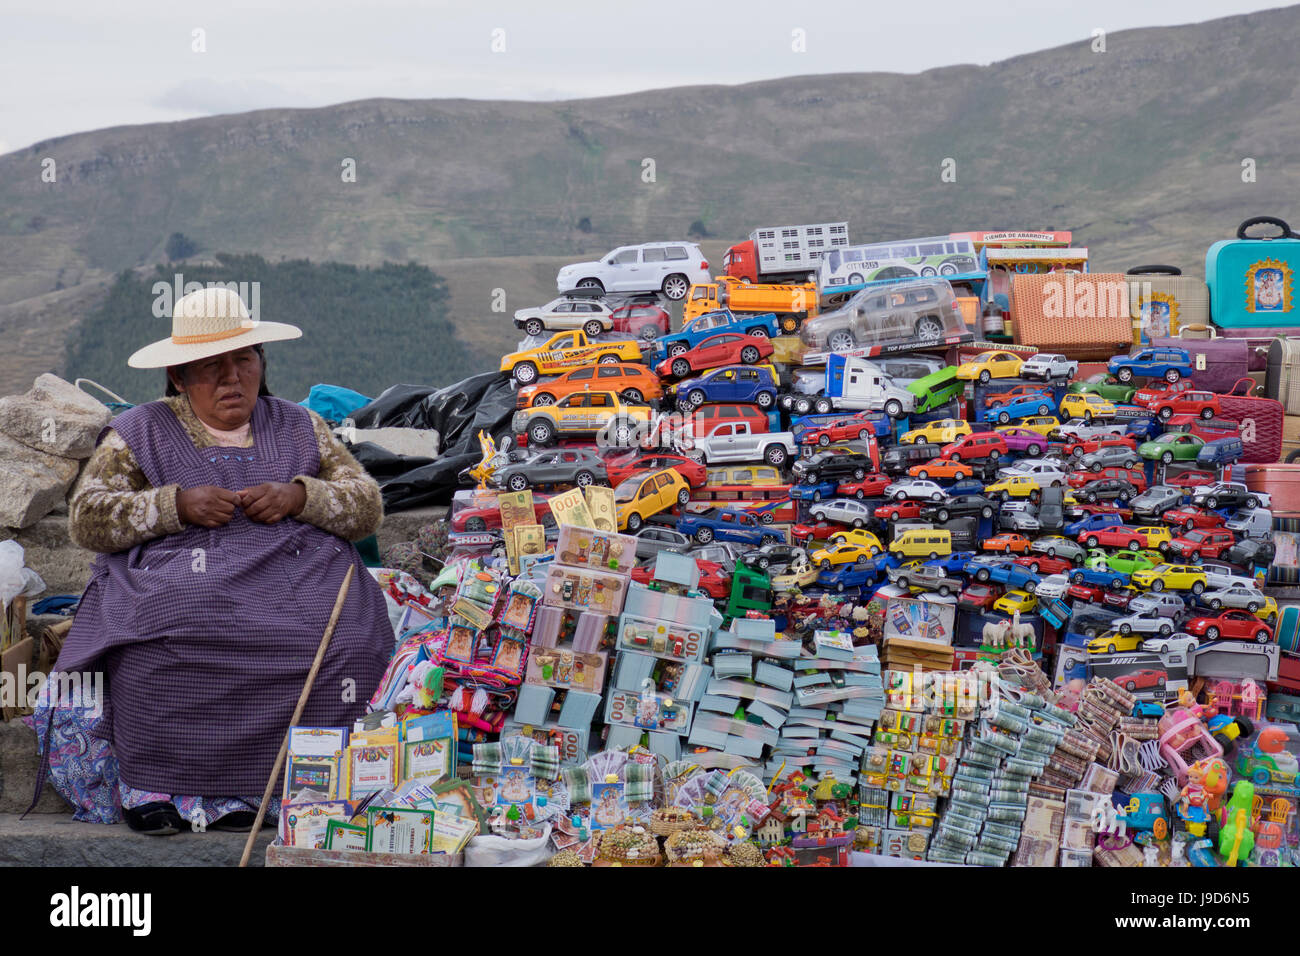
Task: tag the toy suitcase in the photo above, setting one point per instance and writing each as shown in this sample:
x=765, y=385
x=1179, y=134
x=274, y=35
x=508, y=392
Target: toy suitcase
x=1282, y=484
x=1261, y=421
x=1164, y=302
x=1283, y=382
x=1217, y=364
x=1252, y=279
x=1084, y=315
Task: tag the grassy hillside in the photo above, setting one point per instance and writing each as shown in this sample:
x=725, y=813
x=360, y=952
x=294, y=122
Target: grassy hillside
x=1138, y=150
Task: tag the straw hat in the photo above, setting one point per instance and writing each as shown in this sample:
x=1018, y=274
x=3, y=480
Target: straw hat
x=208, y=322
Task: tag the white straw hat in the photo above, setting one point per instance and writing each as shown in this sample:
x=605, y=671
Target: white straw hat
x=208, y=322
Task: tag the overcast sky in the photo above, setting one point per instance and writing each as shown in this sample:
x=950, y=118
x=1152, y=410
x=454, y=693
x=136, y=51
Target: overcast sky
x=67, y=66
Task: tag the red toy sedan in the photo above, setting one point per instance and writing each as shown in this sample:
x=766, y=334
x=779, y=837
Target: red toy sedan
x=1190, y=516
x=841, y=429
x=979, y=597
x=1086, y=592
x=619, y=466
x=872, y=486
x=820, y=531
x=1134, y=476
x=897, y=510
x=489, y=518
x=1233, y=625
x=645, y=321
x=1117, y=537
x=1044, y=564
x=1191, y=479
x=726, y=348
x=1147, y=677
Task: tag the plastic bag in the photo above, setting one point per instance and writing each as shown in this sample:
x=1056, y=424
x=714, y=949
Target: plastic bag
x=333, y=402
x=498, y=851
x=380, y=463
x=15, y=578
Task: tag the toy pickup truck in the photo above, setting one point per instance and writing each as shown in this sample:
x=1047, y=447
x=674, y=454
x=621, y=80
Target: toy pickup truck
x=790, y=303
x=734, y=441
x=712, y=323
x=566, y=350
x=727, y=524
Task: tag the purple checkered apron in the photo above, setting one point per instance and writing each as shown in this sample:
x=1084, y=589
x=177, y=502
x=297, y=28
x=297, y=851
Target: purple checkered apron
x=206, y=636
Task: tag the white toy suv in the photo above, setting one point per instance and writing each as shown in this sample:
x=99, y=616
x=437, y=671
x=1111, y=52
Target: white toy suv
x=566, y=313
x=1046, y=365
x=670, y=267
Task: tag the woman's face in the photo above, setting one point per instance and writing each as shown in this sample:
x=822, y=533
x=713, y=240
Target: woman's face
x=223, y=389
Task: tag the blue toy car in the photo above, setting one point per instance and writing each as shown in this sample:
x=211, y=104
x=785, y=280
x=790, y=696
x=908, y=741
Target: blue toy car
x=954, y=563
x=1144, y=429
x=1148, y=710
x=712, y=323
x=1099, y=577
x=727, y=524
x=1171, y=364
x=1220, y=451
x=1020, y=408
x=855, y=575
x=731, y=383
x=1091, y=523
x=823, y=489
x=1003, y=572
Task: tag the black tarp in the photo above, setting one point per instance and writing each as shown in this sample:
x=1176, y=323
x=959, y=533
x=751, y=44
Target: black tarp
x=457, y=412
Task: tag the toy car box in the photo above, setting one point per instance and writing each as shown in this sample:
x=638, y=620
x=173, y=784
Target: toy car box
x=1252, y=278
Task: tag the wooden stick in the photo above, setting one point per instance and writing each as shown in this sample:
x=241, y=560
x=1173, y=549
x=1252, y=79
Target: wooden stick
x=297, y=713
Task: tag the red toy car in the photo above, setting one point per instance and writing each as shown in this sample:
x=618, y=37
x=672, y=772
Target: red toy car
x=1007, y=543
x=641, y=319
x=1147, y=677
x=1234, y=625
x=622, y=464
x=1134, y=476
x=1118, y=537
x=857, y=427
x=1201, y=543
x=872, y=486
x=1119, y=599
x=726, y=348
x=1190, y=479
x=1043, y=564
x=1202, y=404
x=1148, y=396
x=1086, y=592
x=820, y=531
x=1205, y=428
x=976, y=445
x=489, y=518
x=1078, y=447
x=1190, y=516
x=979, y=597
x=897, y=510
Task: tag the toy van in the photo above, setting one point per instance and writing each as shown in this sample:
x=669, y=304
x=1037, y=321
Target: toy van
x=922, y=543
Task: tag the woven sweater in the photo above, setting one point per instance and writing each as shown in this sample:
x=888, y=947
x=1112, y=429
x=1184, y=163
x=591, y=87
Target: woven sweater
x=114, y=507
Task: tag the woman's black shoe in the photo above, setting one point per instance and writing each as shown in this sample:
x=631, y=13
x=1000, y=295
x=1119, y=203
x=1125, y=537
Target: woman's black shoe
x=238, y=821
x=155, y=819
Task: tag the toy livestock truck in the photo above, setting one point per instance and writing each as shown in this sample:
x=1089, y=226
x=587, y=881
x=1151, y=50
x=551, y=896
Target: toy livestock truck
x=790, y=303
x=777, y=254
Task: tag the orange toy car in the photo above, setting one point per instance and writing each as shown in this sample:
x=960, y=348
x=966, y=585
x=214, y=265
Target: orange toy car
x=1016, y=543
x=941, y=468
x=633, y=383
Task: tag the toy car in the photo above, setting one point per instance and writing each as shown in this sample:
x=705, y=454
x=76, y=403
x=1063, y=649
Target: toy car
x=726, y=524
x=775, y=555
x=1229, y=494
x=940, y=468
x=714, y=582
x=1092, y=522
x=652, y=539
x=634, y=383
x=857, y=426
x=1017, y=392
x=822, y=531
x=1103, y=578
x=649, y=267
x=642, y=318
x=732, y=383
x=620, y=466
x=1233, y=625
x=1017, y=486
x=1116, y=536
x=898, y=510
x=921, y=309
x=843, y=510
x=1171, y=364
x=1086, y=407
x=1113, y=644
x=583, y=413
x=914, y=488
x=958, y=506
x=852, y=575
x=1157, y=500
x=1236, y=596
x=577, y=466
x=979, y=597
x=1190, y=517
x=871, y=486
x=858, y=536
x=563, y=351
x=1171, y=447
x=1251, y=552
x=1184, y=644
x=702, y=327
x=1201, y=543
x=987, y=445
x=1005, y=572
x=813, y=492
x=1018, y=408
x=1227, y=729
x=1181, y=577
x=737, y=441
x=942, y=431
x=1144, y=623
x=1190, y=402
x=1107, y=489
x=1023, y=440
x=1152, y=394
x=991, y=365
x=1048, y=472
x=1042, y=564
x=1268, y=763
x=1007, y=543
x=1043, y=424
x=924, y=577
x=1016, y=601
x=1049, y=365
x=1105, y=386
x=566, y=312
x=715, y=351
x=1125, y=562
x=643, y=494
x=1078, y=447
x=1055, y=546
x=1117, y=454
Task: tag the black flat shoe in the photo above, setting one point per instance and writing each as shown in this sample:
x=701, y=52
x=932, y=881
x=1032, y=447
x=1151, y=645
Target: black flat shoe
x=155, y=819
x=239, y=821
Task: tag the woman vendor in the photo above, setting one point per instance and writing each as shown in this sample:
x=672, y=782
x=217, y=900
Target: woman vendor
x=223, y=518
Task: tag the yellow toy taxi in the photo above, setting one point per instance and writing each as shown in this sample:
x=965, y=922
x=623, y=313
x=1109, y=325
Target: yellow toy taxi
x=1085, y=406
x=565, y=350
x=991, y=365
x=941, y=432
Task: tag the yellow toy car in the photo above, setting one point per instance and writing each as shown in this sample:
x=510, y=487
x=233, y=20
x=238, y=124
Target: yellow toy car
x=860, y=537
x=1114, y=643
x=1017, y=486
x=941, y=432
x=991, y=365
x=646, y=493
x=1043, y=424
x=581, y=414
x=800, y=578
x=837, y=554
x=1156, y=536
x=1268, y=613
x=565, y=350
x=1014, y=601
x=1175, y=577
x=1086, y=406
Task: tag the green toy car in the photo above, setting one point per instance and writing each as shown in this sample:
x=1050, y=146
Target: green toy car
x=1105, y=386
x=1172, y=446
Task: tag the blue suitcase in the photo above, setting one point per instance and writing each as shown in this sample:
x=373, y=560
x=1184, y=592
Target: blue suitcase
x=1252, y=279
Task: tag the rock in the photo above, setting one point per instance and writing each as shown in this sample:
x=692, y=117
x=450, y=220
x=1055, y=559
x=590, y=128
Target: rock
x=32, y=483
x=50, y=552
x=412, y=442
x=55, y=417
x=19, y=765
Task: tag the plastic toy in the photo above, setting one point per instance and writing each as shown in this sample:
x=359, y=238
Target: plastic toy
x=585, y=414
x=1184, y=741
x=727, y=524
x=1236, y=840
x=564, y=351
x=732, y=383
x=990, y=365
x=1018, y=408
x=1268, y=762
x=940, y=432
x=1233, y=625
x=1171, y=447
x=1086, y=407
x=1182, y=577
x=643, y=494
x=709, y=324
x=1171, y=364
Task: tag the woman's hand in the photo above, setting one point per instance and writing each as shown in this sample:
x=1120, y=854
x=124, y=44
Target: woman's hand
x=206, y=505
x=268, y=503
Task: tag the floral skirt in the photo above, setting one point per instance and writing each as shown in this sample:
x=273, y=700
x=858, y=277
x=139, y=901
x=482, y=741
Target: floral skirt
x=84, y=771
